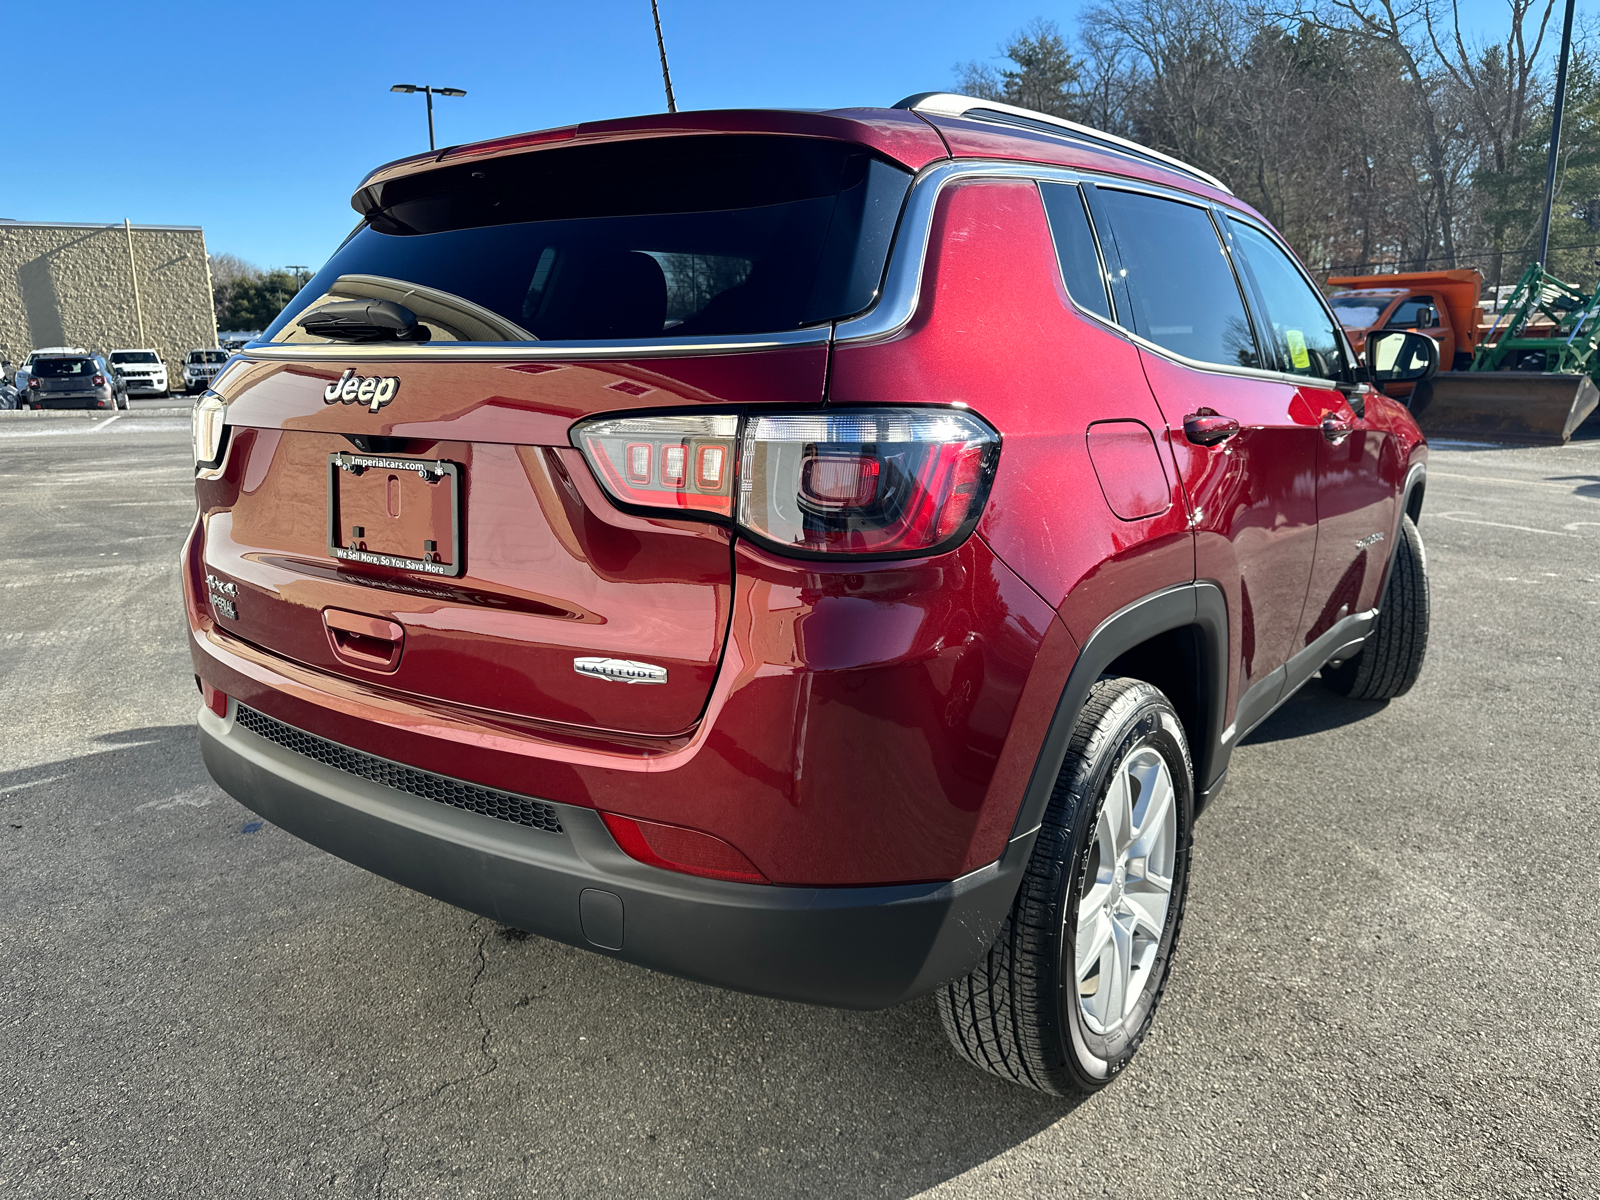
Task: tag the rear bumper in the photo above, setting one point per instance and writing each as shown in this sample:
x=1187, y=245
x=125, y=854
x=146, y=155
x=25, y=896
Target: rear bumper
x=74, y=400
x=851, y=947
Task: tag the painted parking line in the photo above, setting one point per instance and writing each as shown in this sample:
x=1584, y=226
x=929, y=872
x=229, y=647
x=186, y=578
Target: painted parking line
x=1474, y=519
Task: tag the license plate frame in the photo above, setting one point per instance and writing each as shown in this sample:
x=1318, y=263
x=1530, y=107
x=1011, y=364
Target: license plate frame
x=442, y=473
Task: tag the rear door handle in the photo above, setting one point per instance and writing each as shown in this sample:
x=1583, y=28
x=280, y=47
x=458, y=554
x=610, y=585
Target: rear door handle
x=1336, y=428
x=364, y=641
x=1208, y=427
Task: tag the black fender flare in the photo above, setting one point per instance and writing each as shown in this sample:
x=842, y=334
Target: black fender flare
x=1416, y=482
x=1200, y=605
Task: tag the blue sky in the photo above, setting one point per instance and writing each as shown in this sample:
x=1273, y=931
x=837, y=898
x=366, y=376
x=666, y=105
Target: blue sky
x=257, y=121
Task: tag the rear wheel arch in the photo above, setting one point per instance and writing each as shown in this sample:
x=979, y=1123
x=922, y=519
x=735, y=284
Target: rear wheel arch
x=1174, y=639
x=1416, y=487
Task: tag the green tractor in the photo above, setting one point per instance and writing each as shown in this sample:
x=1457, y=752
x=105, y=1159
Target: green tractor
x=1534, y=372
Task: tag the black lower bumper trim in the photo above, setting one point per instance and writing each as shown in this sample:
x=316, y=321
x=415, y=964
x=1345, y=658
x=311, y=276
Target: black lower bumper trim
x=851, y=947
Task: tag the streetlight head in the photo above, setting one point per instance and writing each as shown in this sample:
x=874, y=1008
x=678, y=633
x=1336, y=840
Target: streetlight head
x=404, y=87
x=450, y=91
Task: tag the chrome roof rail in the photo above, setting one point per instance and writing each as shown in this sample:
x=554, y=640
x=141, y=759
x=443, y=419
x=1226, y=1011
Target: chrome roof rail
x=951, y=104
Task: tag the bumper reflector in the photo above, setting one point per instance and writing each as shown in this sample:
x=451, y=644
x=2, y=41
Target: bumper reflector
x=216, y=701
x=674, y=848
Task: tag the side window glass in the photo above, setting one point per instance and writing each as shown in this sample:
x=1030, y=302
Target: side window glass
x=1306, y=339
x=1409, y=313
x=1183, y=290
x=1075, y=248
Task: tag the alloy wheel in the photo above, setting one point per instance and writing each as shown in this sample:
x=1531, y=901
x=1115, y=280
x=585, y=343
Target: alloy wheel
x=1127, y=889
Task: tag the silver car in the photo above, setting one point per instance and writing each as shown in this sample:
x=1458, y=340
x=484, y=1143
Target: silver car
x=73, y=381
x=200, y=368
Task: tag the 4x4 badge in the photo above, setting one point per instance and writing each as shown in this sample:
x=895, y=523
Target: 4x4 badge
x=372, y=390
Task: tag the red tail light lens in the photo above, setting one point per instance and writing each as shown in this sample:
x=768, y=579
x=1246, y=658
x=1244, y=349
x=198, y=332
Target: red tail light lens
x=33, y=383
x=875, y=482
x=880, y=482
x=645, y=461
x=99, y=381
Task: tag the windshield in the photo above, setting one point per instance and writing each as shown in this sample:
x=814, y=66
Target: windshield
x=1356, y=314
x=64, y=368
x=208, y=356
x=134, y=356
x=675, y=237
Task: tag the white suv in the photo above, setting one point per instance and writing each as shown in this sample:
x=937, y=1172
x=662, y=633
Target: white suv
x=142, y=370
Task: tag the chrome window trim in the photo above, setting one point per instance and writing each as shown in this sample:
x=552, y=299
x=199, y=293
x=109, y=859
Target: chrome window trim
x=622, y=348
x=902, y=287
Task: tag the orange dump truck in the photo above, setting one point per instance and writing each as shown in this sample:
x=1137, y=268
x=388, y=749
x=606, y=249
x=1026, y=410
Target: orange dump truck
x=1520, y=396
x=1441, y=304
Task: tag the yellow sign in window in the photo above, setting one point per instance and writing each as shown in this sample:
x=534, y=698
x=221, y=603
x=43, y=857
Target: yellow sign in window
x=1297, y=348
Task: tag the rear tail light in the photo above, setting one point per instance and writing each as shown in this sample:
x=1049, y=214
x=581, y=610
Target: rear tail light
x=209, y=429
x=876, y=482
x=661, y=462
x=33, y=383
x=99, y=381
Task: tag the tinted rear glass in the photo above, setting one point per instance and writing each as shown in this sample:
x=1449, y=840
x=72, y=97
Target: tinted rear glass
x=64, y=368
x=1075, y=248
x=1184, y=293
x=676, y=237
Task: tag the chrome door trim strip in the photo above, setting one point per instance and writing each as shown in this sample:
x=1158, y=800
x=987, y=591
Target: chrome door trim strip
x=622, y=348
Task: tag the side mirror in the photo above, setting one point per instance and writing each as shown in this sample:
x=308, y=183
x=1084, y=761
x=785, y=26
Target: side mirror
x=1399, y=356
x=1427, y=317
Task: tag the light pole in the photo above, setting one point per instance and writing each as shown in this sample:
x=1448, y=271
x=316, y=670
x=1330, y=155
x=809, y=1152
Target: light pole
x=297, y=268
x=661, y=45
x=1555, y=140
x=430, y=92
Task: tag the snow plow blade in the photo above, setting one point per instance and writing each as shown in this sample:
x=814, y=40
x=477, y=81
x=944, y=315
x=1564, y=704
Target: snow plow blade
x=1514, y=407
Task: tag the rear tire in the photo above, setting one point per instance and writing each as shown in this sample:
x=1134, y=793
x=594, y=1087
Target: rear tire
x=1391, y=660
x=1029, y=1012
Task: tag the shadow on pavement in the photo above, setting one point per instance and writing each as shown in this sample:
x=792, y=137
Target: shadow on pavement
x=1588, y=485
x=1313, y=709
x=325, y=1006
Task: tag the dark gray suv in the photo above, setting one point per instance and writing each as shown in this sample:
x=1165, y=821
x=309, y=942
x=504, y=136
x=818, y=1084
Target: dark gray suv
x=74, y=381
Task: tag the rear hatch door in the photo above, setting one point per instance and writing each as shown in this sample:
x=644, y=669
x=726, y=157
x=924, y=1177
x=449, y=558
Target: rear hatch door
x=414, y=515
x=535, y=570
x=65, y=376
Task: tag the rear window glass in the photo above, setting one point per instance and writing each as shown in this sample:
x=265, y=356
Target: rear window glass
x=1075, y=248
x=1182, y=287
x=64, y=368
x=675, y=237
x=135, y=356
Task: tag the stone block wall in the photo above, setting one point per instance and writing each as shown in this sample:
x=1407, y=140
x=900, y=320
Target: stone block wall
x=73, y=285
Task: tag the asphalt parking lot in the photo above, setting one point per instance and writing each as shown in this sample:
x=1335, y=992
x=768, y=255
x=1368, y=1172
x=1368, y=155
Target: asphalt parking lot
x=1387, y=983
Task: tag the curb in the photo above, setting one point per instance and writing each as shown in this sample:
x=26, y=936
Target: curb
x=89, y=414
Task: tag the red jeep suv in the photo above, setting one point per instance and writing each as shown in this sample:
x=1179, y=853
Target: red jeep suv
x=830, y=554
